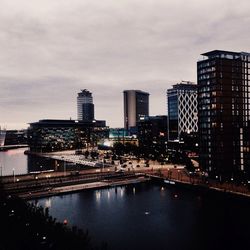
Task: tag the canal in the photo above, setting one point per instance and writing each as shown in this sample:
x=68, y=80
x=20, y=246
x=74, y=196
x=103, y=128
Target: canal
x=150, y=216
x=145, y=216
x=15, y=161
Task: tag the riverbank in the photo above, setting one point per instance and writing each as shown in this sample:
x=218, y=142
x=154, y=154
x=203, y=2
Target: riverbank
x=54, y=183
x=42, y=182
x=185, y=181
x=79, y=187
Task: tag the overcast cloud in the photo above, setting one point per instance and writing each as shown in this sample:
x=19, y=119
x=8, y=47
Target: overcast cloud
x=49, y=50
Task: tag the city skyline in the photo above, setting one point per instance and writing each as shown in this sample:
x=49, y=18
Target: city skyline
x=49, y=51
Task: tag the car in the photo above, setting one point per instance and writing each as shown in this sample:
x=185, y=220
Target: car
x=124, y=165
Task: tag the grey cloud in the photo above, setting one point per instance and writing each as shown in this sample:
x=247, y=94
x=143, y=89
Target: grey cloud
x=52, y=49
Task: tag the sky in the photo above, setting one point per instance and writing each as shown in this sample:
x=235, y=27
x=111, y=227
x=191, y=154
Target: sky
x=50, y=50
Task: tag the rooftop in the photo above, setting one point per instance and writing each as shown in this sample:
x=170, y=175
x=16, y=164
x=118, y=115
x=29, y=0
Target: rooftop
x=224, y=54
x=85, y=92
x=137, y=91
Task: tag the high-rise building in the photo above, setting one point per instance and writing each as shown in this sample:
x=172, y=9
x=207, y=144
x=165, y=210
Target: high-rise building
x=85, y=106
x=182, y=110
x=136, y=105
x=224, y=114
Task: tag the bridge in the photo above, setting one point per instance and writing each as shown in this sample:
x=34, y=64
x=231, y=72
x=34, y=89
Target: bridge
x=8, y=147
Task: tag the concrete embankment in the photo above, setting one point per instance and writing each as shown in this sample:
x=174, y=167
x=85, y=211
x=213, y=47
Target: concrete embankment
x=199, y=187
x=79, y=187
x=32, y=188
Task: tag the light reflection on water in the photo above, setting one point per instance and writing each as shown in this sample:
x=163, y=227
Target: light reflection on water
x=147, y=216
x=47, y=203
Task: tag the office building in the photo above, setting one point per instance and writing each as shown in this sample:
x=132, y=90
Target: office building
x=152, y=133
x=85, y=106
x=16, y=137
x=136, y=105
x=224, y=114
x=182, y=110
x=56, y=135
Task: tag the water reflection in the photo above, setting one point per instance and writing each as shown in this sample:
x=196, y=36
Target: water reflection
x=13, y=159
x=143, y=221
x=47, y=203
x=23, y=164
x=122, y=192
x=98, y=195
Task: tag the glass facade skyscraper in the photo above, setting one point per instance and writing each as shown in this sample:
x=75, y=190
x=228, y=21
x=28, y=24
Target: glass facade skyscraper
x=224, y=114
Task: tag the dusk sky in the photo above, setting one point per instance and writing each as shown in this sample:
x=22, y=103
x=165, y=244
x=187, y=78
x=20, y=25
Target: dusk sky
x=51, y=49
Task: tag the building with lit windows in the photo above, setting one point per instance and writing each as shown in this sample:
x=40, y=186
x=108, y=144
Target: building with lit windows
x=136, y=105
x=224, y=114
x=152, y=132
x=56, y=135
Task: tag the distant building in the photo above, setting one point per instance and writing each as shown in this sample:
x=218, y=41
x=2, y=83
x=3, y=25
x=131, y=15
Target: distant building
x=182, y=110
x=152, y=132
x=56, y=135
x=16, y=137
x=117, y=133
x=224, y=114
x=85, y=106
x=136, y=105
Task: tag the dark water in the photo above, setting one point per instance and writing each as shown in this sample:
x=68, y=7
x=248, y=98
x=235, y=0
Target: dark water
x=147, y=216
x=15, y=160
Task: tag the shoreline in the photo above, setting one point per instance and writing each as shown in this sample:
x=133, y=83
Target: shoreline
x=57, y=191
x=70, y=182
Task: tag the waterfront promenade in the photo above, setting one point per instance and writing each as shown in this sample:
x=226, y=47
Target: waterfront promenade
x=54, y=183
x=100, y=174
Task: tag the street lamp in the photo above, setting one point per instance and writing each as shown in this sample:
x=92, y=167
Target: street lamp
x=13, y=175
x=64, y=168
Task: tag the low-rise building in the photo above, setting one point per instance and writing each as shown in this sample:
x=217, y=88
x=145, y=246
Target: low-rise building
x=56, y=135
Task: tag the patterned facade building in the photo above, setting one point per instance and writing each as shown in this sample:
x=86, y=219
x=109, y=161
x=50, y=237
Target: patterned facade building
x=182, y=110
